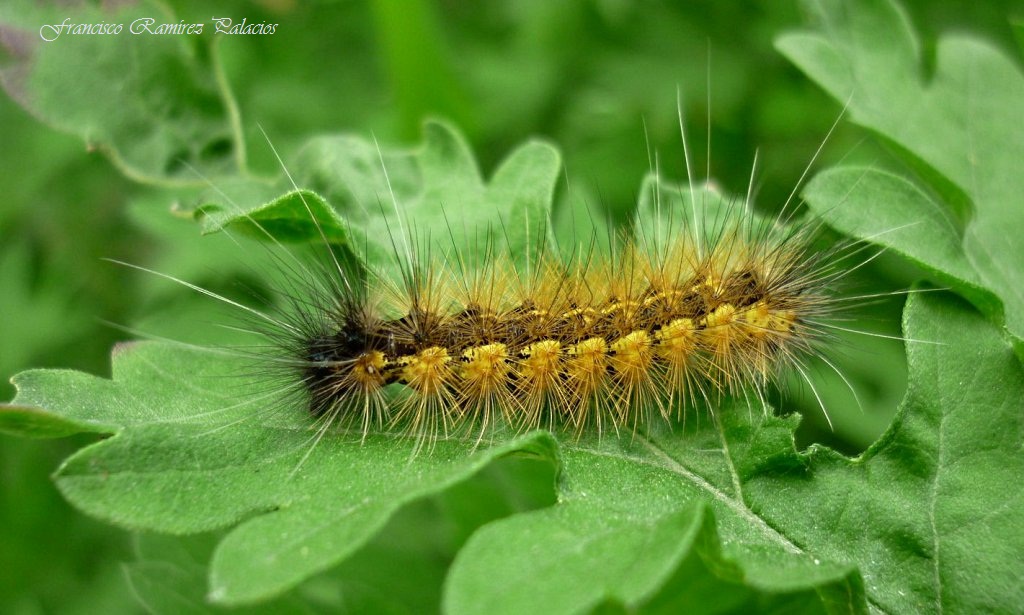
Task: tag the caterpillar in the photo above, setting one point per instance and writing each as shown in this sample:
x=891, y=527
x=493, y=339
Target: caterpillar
x=610, y=336
x=699, y=300
x=602, y=342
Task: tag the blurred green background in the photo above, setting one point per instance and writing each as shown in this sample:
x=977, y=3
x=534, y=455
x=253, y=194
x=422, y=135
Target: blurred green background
x=598, y=78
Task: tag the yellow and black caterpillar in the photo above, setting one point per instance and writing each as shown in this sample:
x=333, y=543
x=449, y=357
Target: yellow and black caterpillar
x=598, y=342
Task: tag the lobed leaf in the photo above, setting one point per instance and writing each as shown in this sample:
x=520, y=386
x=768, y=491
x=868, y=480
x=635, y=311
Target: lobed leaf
x=959, y=128
x=189, y=457
x=355, y=190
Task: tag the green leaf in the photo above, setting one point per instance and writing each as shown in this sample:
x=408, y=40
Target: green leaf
x=152, y=103
x=959, y=128
x=627, y=526
x=189, y=458
x=444, y=201
x=447, y=200
x=399, y=571
x=913, y=224
x=30, y=422
x=169, y=576
x=934, y=506
x=629, y=519
x=299, y=216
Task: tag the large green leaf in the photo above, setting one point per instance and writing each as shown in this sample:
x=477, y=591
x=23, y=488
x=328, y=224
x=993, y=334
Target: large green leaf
x=959, y=127
x=355, y=190
x=399, y=571
x=932, y=512
x=189, y=458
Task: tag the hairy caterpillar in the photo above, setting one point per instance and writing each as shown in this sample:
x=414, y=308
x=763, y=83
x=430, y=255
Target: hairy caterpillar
x=602, y=335
x=701, y=299
x=598, y=341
